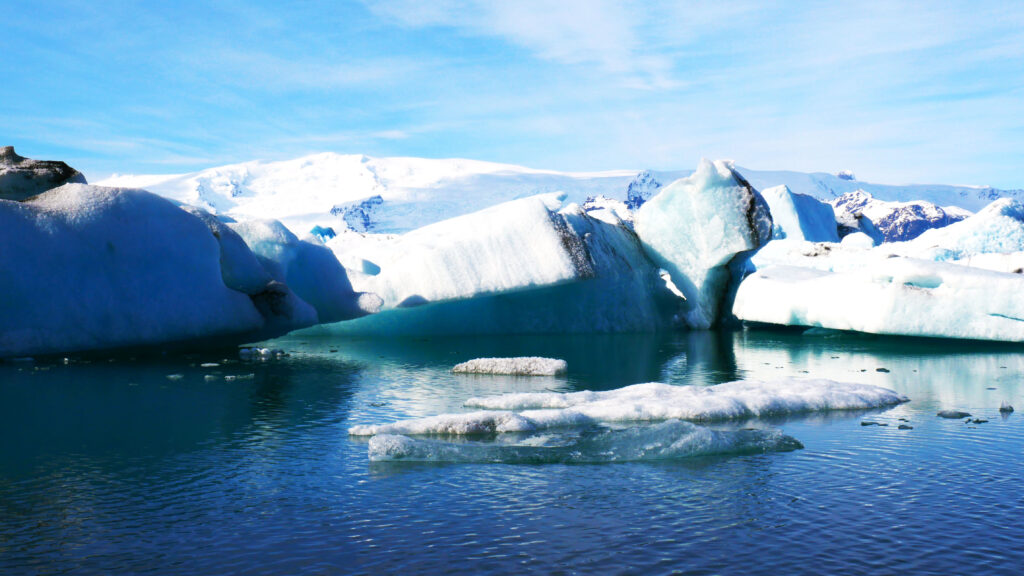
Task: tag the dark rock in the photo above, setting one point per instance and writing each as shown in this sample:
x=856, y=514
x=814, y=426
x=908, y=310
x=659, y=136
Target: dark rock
x=885, y=370
x=905, y=427
x=22, y=178
x=1005, y=407
x=980, y=420
x=358, y=215
x=953, y=414
x=866, y=423
x=898, y=221
x=641, y=189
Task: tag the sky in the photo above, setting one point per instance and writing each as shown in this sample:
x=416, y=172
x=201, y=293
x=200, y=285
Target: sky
x=897, y=92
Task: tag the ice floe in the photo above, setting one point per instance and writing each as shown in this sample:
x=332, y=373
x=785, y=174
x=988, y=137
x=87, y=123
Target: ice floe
x=518, y=366
x=530, y=412
x=668, y=440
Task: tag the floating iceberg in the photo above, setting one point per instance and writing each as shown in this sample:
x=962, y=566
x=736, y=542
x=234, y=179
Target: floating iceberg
x=530, y=412
x=308, y=268
x=520, y=366
x=695, y=227
x=86, y=267
x=669, y=440
x=800, y=217
x=522, y=266
x=935, y=285
x=899, y=296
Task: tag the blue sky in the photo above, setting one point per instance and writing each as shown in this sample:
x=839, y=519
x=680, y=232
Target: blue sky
x=897, y=92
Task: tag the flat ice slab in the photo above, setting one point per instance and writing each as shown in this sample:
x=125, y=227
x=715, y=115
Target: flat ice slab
x=530, y=412
x=521, y=366
x=673, y=439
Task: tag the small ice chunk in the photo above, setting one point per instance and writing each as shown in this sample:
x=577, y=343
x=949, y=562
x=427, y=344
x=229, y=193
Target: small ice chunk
x=209, y=365
x=174, y=377
x=520, y=366
x=953, y=414
x=1005, y=407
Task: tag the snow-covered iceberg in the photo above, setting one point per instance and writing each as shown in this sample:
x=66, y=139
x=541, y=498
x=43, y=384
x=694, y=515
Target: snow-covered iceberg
x=669, y=440
x=518, y=366
x=744, y=399
x=696, y=226
x=87, y=267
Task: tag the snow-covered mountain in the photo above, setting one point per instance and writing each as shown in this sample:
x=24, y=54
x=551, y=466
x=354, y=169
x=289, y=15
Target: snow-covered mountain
x=400, y=194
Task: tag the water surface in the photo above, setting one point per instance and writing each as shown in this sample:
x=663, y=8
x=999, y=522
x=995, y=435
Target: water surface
x=109, y=466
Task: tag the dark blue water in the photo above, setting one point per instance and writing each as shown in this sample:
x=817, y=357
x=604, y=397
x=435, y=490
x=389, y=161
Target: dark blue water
x=111, y=467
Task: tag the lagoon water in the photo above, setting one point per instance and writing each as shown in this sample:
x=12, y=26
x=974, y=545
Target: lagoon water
x=107, y=466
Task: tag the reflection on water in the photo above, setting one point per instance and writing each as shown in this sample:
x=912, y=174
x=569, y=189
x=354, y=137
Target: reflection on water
x=112, y=467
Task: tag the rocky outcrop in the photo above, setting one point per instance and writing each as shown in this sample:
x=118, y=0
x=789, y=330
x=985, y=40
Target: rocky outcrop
x=22, y=178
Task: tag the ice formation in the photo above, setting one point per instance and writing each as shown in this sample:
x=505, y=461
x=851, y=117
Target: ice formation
x=530, y=412
x=935, y=285
x=900, y=296
x=309, y=269
x=522, y=266
x=519, y=366
x=799, y=216
x=86, y=267
x=669, y=440
x=695, y=227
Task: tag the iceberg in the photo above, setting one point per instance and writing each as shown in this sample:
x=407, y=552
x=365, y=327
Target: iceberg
x=522, y=266
x=959, y=281
x=88, y=268
x=799, y=216
x=669, y=440
x=898, y=296
x=308, y=268
x=520, y=366
x=743, y=399
x=696, y=226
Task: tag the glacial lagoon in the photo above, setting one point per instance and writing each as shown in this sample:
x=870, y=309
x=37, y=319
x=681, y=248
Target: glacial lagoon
x=157, y=464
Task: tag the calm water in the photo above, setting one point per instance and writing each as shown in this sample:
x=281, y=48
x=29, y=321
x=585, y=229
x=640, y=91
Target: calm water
x=111, y=467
